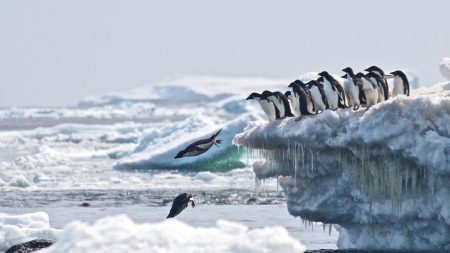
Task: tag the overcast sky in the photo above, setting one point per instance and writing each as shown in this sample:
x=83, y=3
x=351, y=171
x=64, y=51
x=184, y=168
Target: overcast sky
x=55, y=52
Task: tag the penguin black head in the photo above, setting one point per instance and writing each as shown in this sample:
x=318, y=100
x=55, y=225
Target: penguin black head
x=323, y=73
x=253, y=96
x=291, y=85
x=400, y=74
x=320, y=79
x=348, y=70
x=375, y=69
x=287, y=93
x=266, y=94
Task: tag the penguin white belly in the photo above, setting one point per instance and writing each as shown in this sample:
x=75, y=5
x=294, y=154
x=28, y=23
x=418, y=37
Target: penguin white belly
x=317, y=99
x=370, y=92
x=348, y=95
x=380, y=94
x=295, y=104
x=279, y=105
x=331, y=95
x=309, y=105
x=398, y=87
x=206, y=145
x=353, y=93
x=268, y=109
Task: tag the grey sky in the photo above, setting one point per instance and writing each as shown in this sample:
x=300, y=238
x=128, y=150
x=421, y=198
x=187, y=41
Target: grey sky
x=55, y=52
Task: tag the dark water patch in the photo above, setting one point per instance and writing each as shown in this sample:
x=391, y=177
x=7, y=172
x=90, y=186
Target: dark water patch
x=121, y=198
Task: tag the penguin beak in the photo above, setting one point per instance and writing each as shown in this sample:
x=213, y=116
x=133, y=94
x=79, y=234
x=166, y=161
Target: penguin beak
x=388, y=76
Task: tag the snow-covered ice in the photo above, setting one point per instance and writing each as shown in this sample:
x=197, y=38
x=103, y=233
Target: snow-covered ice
x=382, y=175
x=120, y=234
x=16, y=229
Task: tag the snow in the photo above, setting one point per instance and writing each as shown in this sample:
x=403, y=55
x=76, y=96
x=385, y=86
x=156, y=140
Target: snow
x=117, y=234
x=16, y=229
x=381, y=174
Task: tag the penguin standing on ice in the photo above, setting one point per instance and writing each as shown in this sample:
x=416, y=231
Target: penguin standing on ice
x=378, y=71
x=281, y=102
x=369, y=89
x=199, y=147
x=333, y=89
x=379, y=82
x=401, y=84
x=318, y=95
x=292, y=100
x=351, y=88
x=267, y=106
x=301, y=97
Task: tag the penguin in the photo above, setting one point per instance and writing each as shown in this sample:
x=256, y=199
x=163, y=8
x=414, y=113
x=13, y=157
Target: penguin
x=199, y=147
x=401, y=84
x=302, y=98
x=281, y=103
x=351, y=88
x=318, y=95
x=369, y=89
x=180, y=203
x=292, y=100
x=267, y=106
x=333, y=89
x=378, y=81
x=378, y=71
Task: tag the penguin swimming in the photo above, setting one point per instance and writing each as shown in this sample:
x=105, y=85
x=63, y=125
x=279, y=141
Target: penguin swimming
x=302, y=100
x=369, y=89
x=333, y=89
x=401, y=84
x=199, y=147
x=267, y=106
x=378, y=71
x=180, y=203
x=379, y=82
x=281, y=103
x=318, y=95
x=351, y=88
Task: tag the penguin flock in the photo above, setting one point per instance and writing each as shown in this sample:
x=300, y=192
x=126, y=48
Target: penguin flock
x=326, y=92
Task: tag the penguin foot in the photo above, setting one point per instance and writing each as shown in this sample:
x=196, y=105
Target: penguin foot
x=298, y=118
x=356, y=107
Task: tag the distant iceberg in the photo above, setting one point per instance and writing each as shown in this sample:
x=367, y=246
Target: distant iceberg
x=381, y=175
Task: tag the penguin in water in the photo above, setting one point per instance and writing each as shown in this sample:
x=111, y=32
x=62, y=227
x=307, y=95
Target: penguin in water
x=379, y=82
x=180, y=203
x=333, y=89
x=281, y=102
x=302, y=101
x=369, y=89
x=318, y=95
x=267, y=106
x=378, y=71
x=351, y=88
x=401, y=84
x=199, y=147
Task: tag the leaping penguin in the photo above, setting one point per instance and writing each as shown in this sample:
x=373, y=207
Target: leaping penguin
x=401, y=83
x=267, y=106
x=333, y=89
x=379, y=82
x=180, y=203
x=351, y=88
x=302, y=101
x=318, y=95
x=378, y=71
x=281, y=103
x=199, y=147
x=369, y=89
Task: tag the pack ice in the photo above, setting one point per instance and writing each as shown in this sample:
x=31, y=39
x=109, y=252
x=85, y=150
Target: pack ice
x=381, y=175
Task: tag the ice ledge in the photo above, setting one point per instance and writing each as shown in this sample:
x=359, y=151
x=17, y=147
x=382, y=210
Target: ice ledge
x=382, y=175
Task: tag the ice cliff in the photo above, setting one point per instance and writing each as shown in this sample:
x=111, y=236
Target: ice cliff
x=381, y=175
